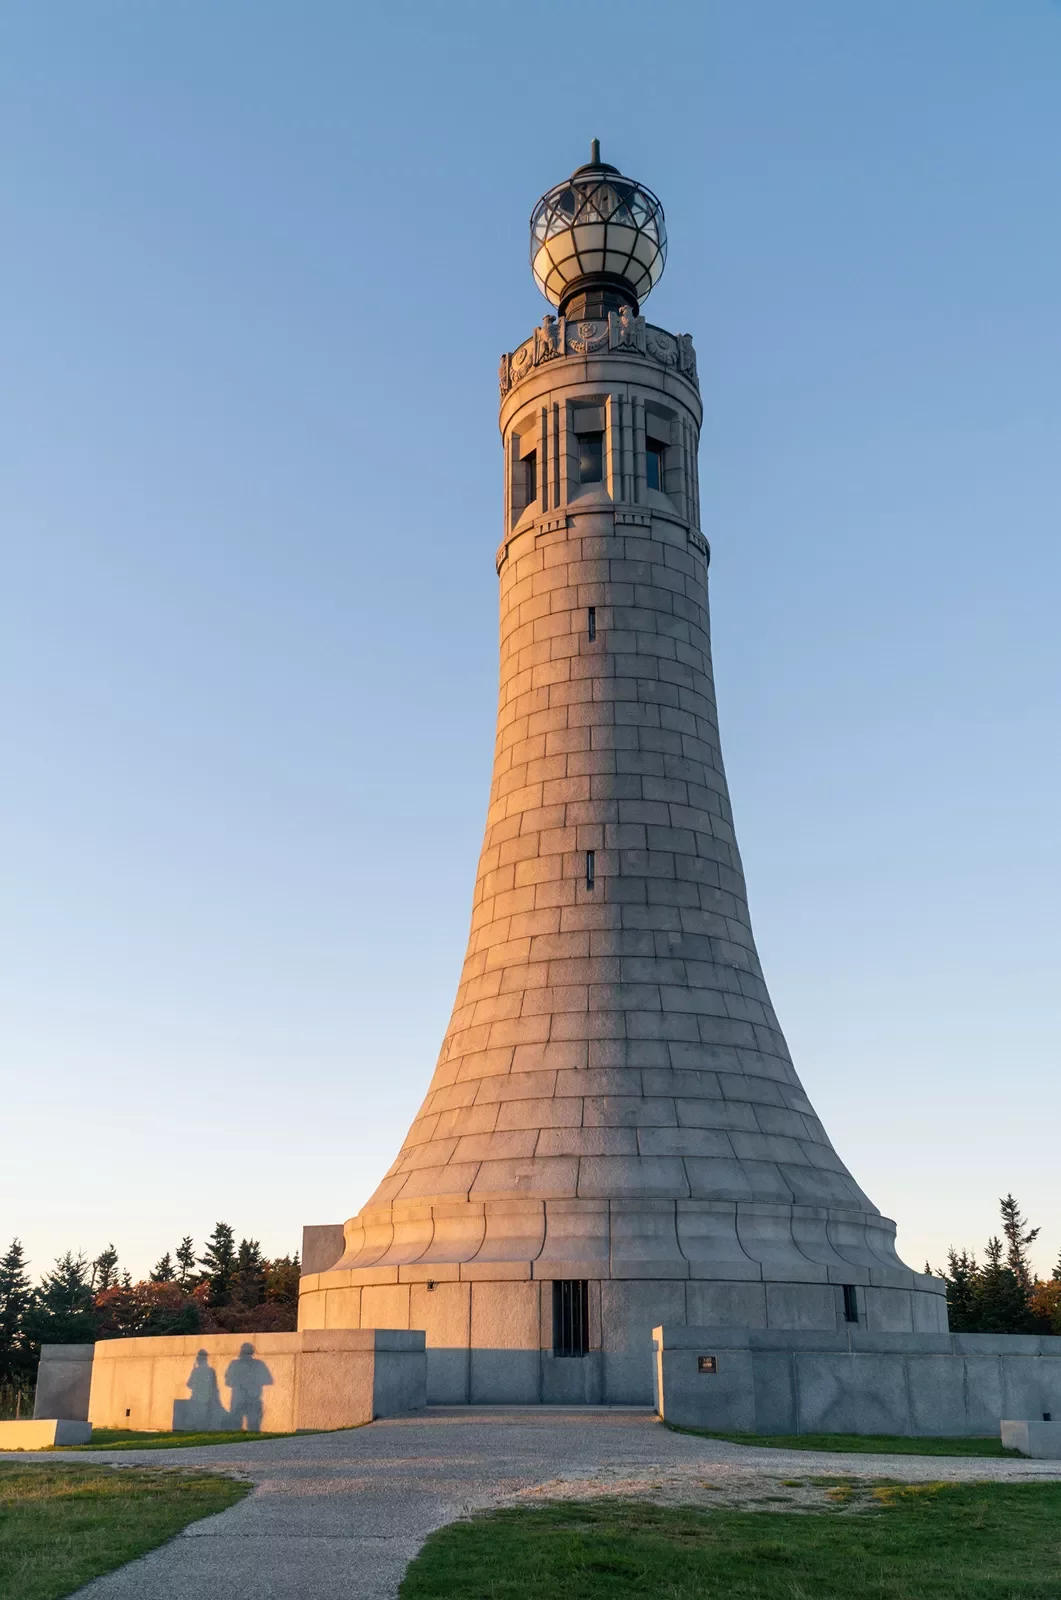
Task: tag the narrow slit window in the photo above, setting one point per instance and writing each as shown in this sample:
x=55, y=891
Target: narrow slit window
x=570, y=1317
x=591, y=864
x=850, y=1303
x=592, y=620
x=591, y=458
x=654, y=465
x=530, y=477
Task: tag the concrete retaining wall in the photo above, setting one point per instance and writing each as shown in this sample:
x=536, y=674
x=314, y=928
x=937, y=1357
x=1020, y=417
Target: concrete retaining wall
x=853, y=1382
x=273, y=1382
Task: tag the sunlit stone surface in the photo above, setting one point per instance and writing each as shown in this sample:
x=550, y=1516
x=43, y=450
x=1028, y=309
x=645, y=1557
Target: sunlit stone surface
x=614, y=1103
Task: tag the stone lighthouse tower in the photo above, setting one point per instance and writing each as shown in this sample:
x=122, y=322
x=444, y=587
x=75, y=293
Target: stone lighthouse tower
x=614, y=1135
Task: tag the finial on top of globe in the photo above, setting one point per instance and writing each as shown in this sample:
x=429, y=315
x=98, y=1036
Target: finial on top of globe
x=598, y=241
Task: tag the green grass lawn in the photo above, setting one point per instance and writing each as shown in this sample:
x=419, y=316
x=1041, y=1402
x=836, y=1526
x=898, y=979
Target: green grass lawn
x=62, y=1524
x=127, y=1439
x=877, y=1542
x=863, y=1444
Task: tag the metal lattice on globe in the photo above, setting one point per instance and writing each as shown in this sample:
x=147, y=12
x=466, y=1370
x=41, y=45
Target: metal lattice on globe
x=597, y=230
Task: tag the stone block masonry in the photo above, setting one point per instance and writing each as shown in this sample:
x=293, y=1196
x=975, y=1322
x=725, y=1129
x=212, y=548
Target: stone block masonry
x=489, y=1328
x=614, y=1105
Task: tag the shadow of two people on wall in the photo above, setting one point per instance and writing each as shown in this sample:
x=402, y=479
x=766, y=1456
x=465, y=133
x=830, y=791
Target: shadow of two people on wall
x=205, y=1412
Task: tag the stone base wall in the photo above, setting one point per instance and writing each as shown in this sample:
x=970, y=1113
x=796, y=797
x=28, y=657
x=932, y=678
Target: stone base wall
x=43, y=1434
x=64, y=1379
x=741, y=1380
x=272, y=1382
x=1041, y=1440
x=490, y=1340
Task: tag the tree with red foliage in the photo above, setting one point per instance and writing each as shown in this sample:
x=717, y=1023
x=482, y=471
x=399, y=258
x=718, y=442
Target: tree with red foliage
x=126, y=1311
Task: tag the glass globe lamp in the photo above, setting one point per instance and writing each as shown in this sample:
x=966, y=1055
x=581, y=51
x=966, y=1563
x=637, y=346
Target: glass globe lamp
x=598, y=241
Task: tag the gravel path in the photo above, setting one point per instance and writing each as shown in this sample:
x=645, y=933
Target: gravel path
x=338, y=1516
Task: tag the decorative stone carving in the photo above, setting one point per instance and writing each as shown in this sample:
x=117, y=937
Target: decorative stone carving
x=501, y=556
x=548, y=340
x=625, y=331
x=621, y=332
x=662, y=347
x=522, y=362
x=588, y=337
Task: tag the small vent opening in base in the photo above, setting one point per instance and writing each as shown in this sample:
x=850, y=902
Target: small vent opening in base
x=570, y=1317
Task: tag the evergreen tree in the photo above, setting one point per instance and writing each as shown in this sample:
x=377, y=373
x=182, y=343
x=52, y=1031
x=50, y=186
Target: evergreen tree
x=162, y=1271
x=1000, y=1300
x=62, y=1311
x=15, y=1299
x=186, y=1262
x=248, y=1280
x=218, y=1261
x=104, y=1270
x=1018, y=1237
x=961, y=1276
x=1057, y=1270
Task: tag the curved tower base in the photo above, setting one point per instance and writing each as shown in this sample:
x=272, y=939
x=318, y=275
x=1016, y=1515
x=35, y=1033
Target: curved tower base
x=486, y=1302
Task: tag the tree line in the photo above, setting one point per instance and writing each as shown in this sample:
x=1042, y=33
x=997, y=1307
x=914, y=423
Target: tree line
x=1001, y=1293
x=229, y=1288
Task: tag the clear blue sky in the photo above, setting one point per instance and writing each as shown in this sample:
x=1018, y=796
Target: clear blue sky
x=260, y=259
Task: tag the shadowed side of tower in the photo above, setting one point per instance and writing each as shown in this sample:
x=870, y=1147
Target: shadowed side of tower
x=614, y=1134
